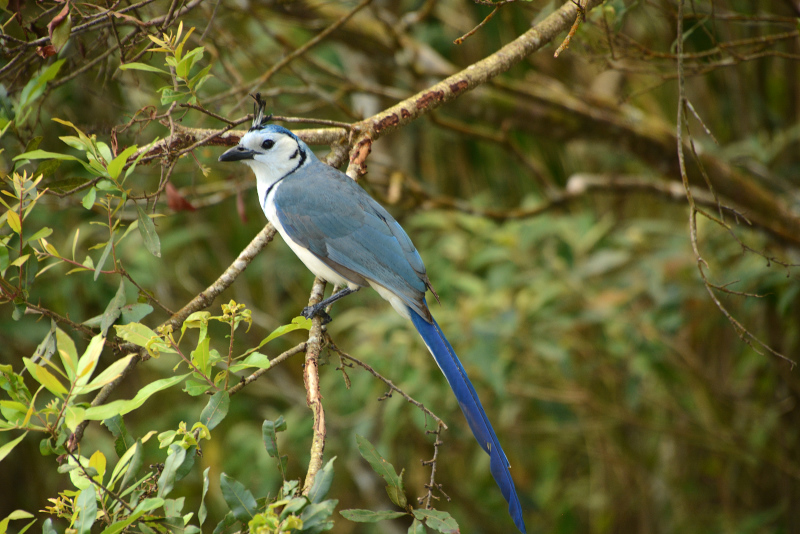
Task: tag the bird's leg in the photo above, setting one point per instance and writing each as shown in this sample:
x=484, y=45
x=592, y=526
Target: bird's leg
x=318, y=309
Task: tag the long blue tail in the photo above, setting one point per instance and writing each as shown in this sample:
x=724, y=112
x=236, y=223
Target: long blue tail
x=470, y=404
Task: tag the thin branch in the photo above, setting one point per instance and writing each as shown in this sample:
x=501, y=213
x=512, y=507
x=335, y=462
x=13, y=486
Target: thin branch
x=311, y=381
x=389, y=383
x=245, y=381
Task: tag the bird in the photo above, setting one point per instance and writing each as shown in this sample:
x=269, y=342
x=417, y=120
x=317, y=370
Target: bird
x=348, y=239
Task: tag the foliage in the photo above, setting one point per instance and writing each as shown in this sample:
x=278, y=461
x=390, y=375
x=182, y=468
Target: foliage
x=548, y=204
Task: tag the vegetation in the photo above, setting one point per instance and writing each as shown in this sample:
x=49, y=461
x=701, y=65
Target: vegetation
x=613, y=232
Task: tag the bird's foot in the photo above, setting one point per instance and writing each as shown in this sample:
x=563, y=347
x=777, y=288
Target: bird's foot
x=309, y=312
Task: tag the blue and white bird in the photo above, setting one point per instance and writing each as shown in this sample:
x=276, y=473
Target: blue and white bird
x=345, y=237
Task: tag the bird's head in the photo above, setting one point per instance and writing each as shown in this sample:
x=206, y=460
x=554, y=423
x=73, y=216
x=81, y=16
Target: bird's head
x=270, y=150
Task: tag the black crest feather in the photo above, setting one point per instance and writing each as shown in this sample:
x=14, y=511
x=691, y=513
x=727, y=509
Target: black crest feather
x=259, y=119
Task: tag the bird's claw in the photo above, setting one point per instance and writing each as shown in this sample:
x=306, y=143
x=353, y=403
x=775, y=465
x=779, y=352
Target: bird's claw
x=309, y=312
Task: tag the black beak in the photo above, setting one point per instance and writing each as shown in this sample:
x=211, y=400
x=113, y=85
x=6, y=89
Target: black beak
x=237, y=153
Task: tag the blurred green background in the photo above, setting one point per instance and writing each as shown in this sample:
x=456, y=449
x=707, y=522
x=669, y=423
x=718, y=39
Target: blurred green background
x=624, y=399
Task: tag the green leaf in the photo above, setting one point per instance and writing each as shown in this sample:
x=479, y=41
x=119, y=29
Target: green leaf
x=67, y=352
x=322, y=482
x=102, y=261
x=44, y=232
x=142, y=66
x=136, y=463
x=167, y=479
x=89, y=198
x=117, y=164
x=216, y=409
x=61, y=32
x=35, y=88
x=394, y=483
x=13, y=221
x=202, y=512
x=137, y=311
x=196, y=388
x=416, y=527
x=66, y=184
x=121, y=407
x=296, y=324
x=140, y=335
x=73, y=416
x=88, y=362
x=122, y=439
x=8, y=447
x=109, y=374
x=316, y=516
x=135, y=333
x=114, y=308
x=43, y=154
x=45, y=378
x=239, y=499
x=368, y=516
x=437, y=520
x=148, y=231
x=200, y=356
x=255, y=360
x=86, y=506
x=224, y=523
x=269, y=436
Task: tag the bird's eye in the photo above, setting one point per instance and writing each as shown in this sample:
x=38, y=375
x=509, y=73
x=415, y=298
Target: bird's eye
x=267, y=144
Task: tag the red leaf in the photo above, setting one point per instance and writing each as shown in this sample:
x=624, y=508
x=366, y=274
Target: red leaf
x=46, y=51
x=175, y=200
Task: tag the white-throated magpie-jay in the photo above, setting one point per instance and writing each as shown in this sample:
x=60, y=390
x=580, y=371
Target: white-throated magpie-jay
x=345, y=237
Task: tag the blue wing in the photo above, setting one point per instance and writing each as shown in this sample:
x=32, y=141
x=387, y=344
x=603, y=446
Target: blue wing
x=327, y=213
x=470, y=404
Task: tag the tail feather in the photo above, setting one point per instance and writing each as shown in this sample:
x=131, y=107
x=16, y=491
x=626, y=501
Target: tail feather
x=470, y=404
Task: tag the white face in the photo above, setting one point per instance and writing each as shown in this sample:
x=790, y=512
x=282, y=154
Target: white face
x=274, y=154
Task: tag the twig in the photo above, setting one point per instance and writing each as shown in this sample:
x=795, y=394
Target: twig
x=431, y=485
x=744, y=334
x=386, y=381
x=311, y=380
x=272, y=363
x=470, y=33
x=581, y=17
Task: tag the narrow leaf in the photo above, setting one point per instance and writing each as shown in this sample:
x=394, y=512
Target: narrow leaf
x=121, y=407
x=141, y=66
x=109, y=374
x=89, y=198
x=394, y=483
x=167, y=479
x=118, y=163
x=114, y=308
x=368, y=516
x=86, y=505
x=43, y=154
x=202, y=512
x=45, y=378
x=148, y=231
x=88, y=362
x=8, y=447
x=103, y=258
x=322, y=482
